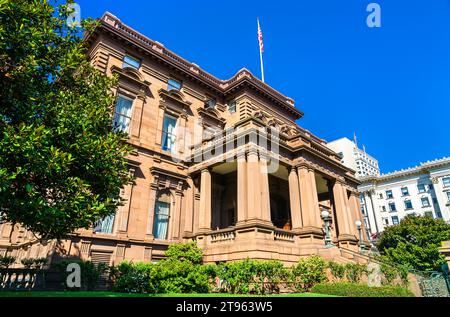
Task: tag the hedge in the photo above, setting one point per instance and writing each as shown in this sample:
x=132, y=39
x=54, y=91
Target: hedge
x=360, y=290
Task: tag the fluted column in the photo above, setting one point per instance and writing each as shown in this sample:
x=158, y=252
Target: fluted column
x=151, y=209
x=344, y=219
x=204, y=221
x=241, y=188
x=294, y=196
x=309, y=201
x=177, y=217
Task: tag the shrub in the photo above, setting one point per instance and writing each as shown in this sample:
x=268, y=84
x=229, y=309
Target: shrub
x=29, y=263
x=355, y=271
x=250, y=276
x=337, y=270
x=132, y=278
x=360, y=290
x=6, y=261
x=185, y=252
x=308, y=272
x=90, y=273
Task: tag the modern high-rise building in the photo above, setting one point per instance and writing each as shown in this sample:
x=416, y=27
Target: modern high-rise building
x=219, y=162
x=422, y=190
x=355, y=158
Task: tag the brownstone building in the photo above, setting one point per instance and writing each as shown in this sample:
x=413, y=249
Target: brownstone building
x=221, y=162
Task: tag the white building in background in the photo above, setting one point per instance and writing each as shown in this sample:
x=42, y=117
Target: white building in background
x=421, y=190
x=354, y=157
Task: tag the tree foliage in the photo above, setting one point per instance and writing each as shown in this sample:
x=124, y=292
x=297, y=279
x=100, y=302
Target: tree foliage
x=414, y=242
x=61, y=164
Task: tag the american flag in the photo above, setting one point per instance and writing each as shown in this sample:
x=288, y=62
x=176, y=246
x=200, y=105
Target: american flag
x=260, y=39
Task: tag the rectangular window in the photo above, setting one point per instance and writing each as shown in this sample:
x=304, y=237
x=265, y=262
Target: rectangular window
x=232, y=106
x=448, y=196
x=428, y=214
x=425, y=202
x=161, y=223
x=168, y=133
x=389, y=194
x=105, y=225
x=132, y=62
x=383, y=208
x=421, y=188
x=122, y=114
x=211, y=103
x=430, y=186
x=405, y=191
x=381, y=195
x=386, y=221
x=446, y=181
x=394, y=220
x=173, y=84
x=408, y=204
x=392, y=207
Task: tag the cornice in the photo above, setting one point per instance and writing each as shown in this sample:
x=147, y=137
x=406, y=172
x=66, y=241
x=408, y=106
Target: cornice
x=112, y=24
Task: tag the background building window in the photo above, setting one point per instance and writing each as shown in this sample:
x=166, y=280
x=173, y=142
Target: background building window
x=448, y=196
x=405, y=191
x=383, y=208
x=446, y=181
x=389, y=194
x=381, y=195
x=122, y=114
x=394, y=220
x=392, y=207
x=428, y=214
x=162, y=213
x=105, y=225
x=232, y=106
x=425, y=202
x=132, y=62
x=421, y=188
x=168, y=133
x=408, y=204
x=173, y=84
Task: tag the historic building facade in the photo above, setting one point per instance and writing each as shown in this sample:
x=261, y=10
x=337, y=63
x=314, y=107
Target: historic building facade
x=422, y=190
x=221, y=162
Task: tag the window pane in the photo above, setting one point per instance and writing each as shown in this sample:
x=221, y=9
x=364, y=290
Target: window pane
x=446, y=181
x=173, y=84
x=162, y=210
x=122, y=114
x=168, y=134
x=421, y=188
x=448, y=196
x=129, y=61
x=232, y=106
x=105, y=225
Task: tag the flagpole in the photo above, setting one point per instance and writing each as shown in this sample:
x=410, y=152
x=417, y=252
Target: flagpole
x=261, y=54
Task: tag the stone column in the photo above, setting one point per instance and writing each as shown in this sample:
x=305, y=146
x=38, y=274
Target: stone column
x=253, y=187
x=309, y=201
x=160, y=125
x=343, y=216
x=177, y=212
x=265, y=193
x=124, y=211
x=241, y=188
x=355, y=207
x=151, y=208
x=189, y=211
x=137, y=116
x=294, y=196
x=204, y=221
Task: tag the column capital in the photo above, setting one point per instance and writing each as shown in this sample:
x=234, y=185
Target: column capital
x=206, y=170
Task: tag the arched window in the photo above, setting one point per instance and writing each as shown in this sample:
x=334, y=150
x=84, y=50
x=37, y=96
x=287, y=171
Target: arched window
x=162, y=213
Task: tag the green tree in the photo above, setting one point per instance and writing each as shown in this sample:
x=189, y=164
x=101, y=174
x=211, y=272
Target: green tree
x=61, y=164
x=414, y=242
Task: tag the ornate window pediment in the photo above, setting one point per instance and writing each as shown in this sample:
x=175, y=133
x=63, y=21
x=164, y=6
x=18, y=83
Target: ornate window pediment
x=131, y=78
x=211, y=116
x=175, y=98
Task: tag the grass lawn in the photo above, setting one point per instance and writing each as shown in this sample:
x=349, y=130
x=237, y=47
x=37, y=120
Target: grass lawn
x=113, y=294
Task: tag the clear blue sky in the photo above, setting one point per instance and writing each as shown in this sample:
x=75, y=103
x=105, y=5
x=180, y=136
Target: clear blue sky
x=390, y=85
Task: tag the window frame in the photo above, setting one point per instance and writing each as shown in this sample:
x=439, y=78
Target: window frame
x=444, y=179
x=419, y=188
x=163, y=132
x=169, y=85
x=422, y=199
x=390, y=205
x=403, y=193
x=126, y=64
x=117, y=114
x=408, y=202
x=389, y=194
